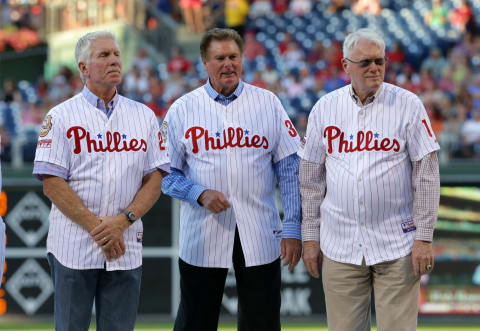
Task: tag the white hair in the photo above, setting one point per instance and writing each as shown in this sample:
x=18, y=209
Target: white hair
x=364, y=33
x=83, y=48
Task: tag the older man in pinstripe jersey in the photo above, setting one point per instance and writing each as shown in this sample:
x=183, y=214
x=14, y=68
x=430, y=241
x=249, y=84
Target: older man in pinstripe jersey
x=100, y=158
x=370, y=190
x=229, y=143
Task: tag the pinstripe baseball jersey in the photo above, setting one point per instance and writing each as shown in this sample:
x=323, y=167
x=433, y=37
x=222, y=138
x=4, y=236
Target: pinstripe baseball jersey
x=230, y=148
x=106, y=159
x=368, y=151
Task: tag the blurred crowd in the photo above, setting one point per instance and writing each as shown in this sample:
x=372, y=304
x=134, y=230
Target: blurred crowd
x=447, y=80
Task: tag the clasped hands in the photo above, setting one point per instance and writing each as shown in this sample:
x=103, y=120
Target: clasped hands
x=108, y=234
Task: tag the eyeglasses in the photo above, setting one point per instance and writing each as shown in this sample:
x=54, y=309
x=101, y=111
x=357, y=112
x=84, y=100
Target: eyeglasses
x=367, y=62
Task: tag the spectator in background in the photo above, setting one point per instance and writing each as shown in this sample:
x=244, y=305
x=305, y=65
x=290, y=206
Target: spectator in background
x=293, y=55
x=193, y=15
x=280, y=7
x=470, y=134
x=435, y=63
x=461, y=15
x=300, y=7
x=178, y=62
x=260, y=8
x=153, y=99
x=293, y=85
x=317, y=53
x=270, y=76
x=142, y=61
x=236, y=13
x=396, y=56
x=283, y=45
x=253, y=47
x=301, y=124
x=213, y=13
x=367, y=7
x=135, y=84
x=258, y=80
x=336, y=6
x=437, y=17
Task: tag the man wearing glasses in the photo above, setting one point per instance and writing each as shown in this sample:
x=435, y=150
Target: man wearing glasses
x=370, y=190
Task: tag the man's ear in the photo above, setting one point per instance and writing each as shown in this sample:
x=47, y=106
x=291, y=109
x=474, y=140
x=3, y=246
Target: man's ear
x=82, y=67
x=345, y=66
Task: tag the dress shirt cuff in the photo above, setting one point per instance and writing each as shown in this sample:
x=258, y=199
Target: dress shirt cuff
x=424, y=234
x=195, y=193
x=292, y=230
x=310, y=231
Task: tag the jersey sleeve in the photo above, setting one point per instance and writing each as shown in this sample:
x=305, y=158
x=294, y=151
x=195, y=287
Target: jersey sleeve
x=157, y=152
x=312, y=148
x=288, y=140
x=421, y=139
x=172, y=133
x=52, y=145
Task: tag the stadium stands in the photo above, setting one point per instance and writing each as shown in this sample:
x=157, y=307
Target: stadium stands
x=305, y=51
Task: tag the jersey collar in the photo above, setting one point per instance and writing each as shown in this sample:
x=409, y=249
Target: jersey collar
x=369, y=100
x=99, y=103
x=220, y=97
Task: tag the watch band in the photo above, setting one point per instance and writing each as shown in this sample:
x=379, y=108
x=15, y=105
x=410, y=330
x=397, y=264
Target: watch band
x=131, y=217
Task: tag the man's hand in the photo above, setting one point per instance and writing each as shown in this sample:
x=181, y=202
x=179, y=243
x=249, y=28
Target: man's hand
x=422, y=257
x=109, y=232
x=291, y=252
x=214, y=201
x=117, y=249
x=312, y=257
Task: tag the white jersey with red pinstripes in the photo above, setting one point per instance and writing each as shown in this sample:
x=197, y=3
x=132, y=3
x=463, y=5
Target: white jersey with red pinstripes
x=368, y=151
x=106, y=159
x=230, y=149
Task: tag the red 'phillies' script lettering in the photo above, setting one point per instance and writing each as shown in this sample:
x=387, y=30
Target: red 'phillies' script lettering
x=363, y=142
x=232, y=137
x=114, y=142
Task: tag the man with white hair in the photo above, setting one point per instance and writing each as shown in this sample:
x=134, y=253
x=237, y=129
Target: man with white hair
x=370, y=190
x=101, y=159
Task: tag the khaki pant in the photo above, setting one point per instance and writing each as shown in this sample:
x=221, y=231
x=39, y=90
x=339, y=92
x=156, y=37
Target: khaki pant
x=348, y=290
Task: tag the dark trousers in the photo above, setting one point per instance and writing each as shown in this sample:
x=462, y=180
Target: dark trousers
x=116, y=295
x=202, y=290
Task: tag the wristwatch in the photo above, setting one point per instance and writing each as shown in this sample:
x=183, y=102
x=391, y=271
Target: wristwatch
x=131, y=217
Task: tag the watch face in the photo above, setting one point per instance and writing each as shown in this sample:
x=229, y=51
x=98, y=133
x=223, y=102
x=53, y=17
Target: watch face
x=131, y=216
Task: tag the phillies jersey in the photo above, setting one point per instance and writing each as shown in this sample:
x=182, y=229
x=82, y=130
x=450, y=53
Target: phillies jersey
x=368, y=153
x=106, y=159
x=230, y=148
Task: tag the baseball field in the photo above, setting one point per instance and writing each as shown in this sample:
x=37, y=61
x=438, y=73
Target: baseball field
x=230, y=327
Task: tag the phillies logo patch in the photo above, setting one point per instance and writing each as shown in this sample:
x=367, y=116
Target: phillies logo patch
x=364, y=141
x=46, y=126
x=232, y=137
x=115, y=142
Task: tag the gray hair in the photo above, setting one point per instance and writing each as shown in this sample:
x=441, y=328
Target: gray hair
x=83, y=51
x=365, y=33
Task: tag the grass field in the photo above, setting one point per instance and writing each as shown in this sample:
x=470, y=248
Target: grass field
x=231, y=327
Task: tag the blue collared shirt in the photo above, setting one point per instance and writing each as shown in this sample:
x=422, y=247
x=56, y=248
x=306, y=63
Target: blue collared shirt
x=99, y=103
x=286, y=171
x=220, y=98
